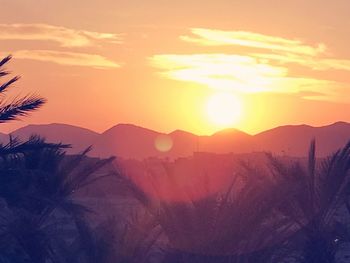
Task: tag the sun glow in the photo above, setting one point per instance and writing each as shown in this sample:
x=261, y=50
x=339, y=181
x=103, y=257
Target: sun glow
x=224, y=109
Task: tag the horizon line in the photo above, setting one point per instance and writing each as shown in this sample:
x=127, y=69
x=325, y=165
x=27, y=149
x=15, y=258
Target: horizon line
x=168, y=133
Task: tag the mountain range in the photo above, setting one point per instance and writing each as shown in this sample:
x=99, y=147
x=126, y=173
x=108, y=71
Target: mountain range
x=131, y=141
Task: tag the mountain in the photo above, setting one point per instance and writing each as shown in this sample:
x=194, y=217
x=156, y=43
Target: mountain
x=131, y=141
x=295, y=140
x=127, y=141
x=79, y=138
x=225, y=141
x=184, y=143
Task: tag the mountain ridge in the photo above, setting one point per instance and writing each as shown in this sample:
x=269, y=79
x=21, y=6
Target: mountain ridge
x=80, y=138
x=133, y=141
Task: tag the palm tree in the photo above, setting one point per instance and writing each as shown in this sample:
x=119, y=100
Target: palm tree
x=313, y=194
x=114, y=241
x=19, y=106
x=37, y=185
x=239, y=224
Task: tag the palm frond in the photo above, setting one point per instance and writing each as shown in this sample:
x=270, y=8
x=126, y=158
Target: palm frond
x=2, y=63
x=20, y=107
x=312, y=171
x=82, y=177
x=7, y=84
x=16, y=146
x=73, y=163
x=3, y=73
x=5, y=60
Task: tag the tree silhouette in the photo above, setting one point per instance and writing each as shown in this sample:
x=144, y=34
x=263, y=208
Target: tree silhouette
x=37, y=188
x=313, y=194
x=37, y=184
x=238, y=224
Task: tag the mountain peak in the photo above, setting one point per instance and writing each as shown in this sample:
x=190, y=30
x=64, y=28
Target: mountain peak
x=340, y=123
x=230, y=131
x=128, y=128
x=79, y=137
x=181, y=133
x=53, y=125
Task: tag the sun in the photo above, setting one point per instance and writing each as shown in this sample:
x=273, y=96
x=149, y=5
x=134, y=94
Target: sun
x=224, y=109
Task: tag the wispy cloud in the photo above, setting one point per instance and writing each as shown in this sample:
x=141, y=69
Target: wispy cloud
x=314, y=63
x=65, y=37
x=67, y=58
x=220, y=71
x=275, y=49
x=213, y=37
x=263, y=66
x=237, y=73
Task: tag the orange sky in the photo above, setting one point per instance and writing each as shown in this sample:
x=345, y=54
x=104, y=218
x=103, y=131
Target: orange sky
x=157, y=63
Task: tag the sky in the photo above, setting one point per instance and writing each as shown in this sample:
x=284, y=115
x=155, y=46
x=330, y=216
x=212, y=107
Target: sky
x=198, y=66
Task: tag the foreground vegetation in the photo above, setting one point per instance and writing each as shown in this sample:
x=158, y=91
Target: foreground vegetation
x=285, y=211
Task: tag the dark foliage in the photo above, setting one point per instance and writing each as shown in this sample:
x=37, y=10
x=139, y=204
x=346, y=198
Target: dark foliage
x=313, y=193
x=37, y=185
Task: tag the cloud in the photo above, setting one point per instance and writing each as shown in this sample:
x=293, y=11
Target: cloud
x=214, y=37
x=220, y=71
x=65, y=37
x=243, y=74
x=281, y=50
x=262, y=66
x=315, y=63
x=67, y=58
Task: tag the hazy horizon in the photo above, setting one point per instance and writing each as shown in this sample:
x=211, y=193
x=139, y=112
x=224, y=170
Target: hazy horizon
x=199, y=66
x=168, y=132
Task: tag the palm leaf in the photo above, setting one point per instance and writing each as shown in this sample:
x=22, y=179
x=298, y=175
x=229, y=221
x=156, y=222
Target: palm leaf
x=20, y=107
x=7, y=84
x=5, y=60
